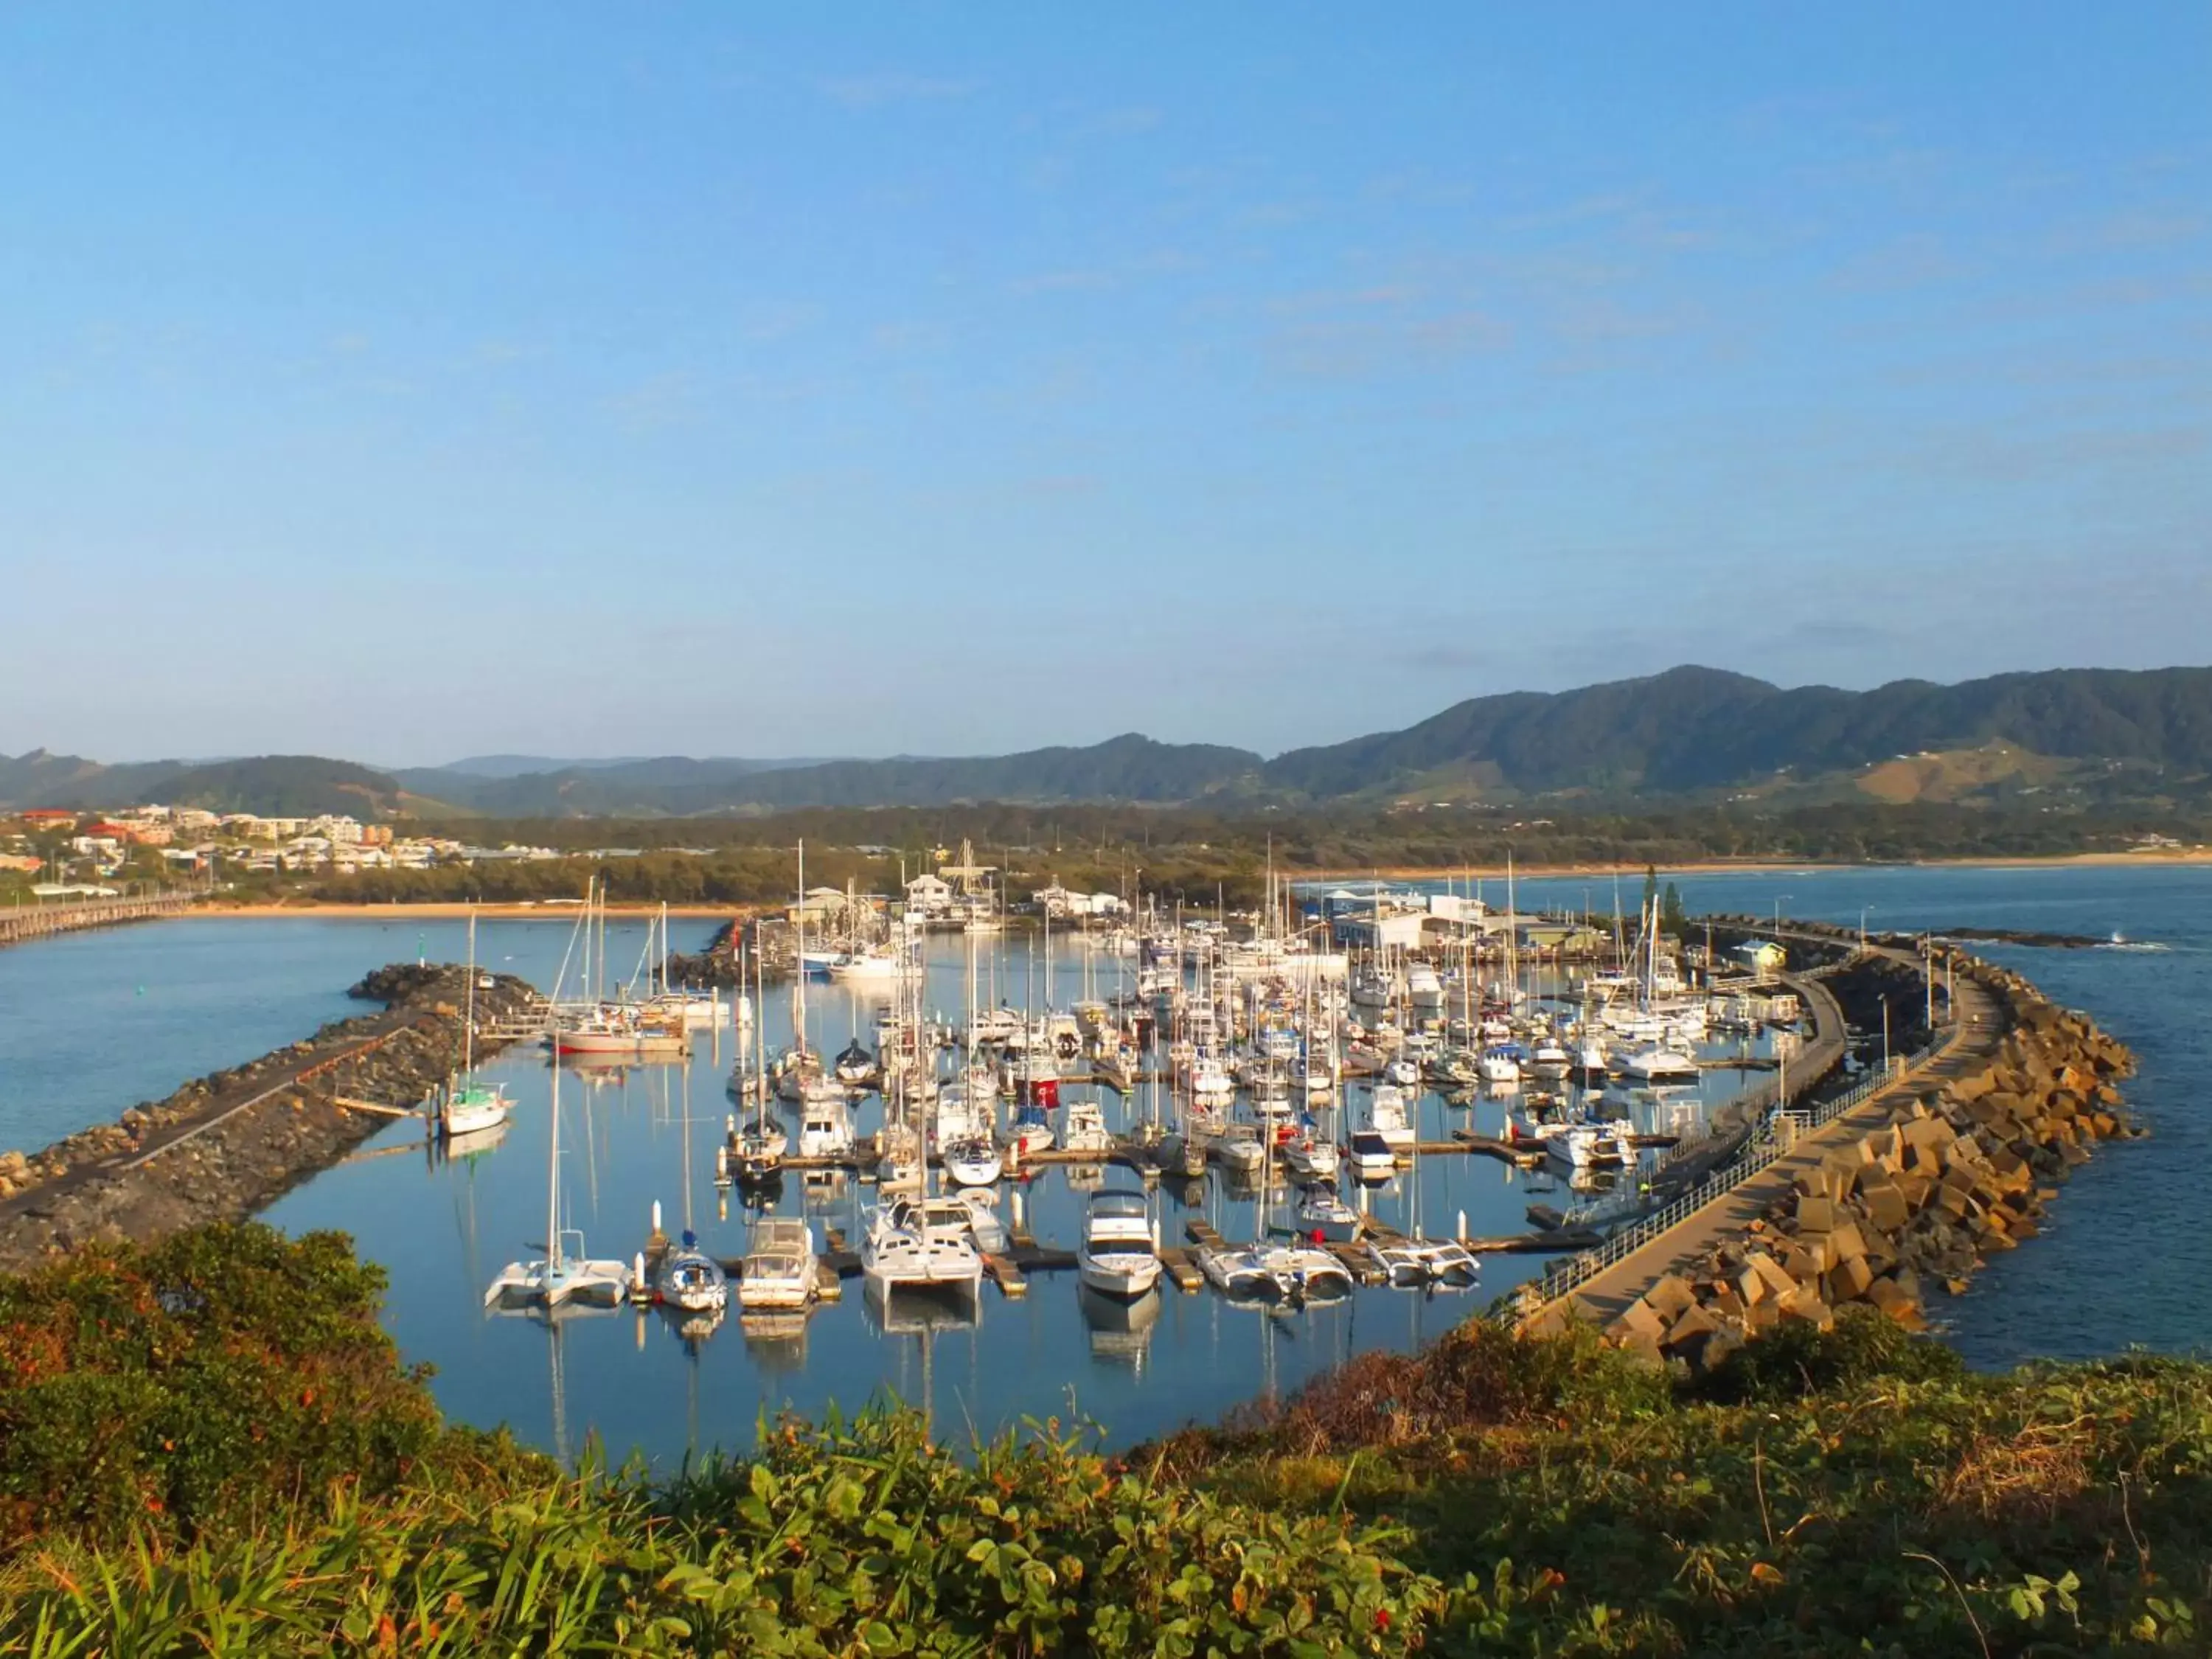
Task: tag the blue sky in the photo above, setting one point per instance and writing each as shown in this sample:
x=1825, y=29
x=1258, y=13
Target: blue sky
x=568, y=379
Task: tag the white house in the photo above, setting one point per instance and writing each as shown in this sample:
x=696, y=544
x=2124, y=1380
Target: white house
x=928, y=895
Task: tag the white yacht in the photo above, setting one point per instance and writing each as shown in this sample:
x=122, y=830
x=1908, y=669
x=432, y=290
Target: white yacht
x=780, y=1269
x=1371, y=1156
x=825, y=1127
x=1657, y=1063
x=1386, y=1116
x=1239, y=1148
x=1085, y=1128
x=1117, y=1256
x=1423, y=989
x=1325, y=1218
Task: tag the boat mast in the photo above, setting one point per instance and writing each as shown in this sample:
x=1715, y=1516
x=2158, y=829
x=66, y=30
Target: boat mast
x=469, y=1022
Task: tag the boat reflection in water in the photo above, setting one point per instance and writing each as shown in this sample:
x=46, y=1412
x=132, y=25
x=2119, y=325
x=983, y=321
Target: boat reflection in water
x=1120, y=1330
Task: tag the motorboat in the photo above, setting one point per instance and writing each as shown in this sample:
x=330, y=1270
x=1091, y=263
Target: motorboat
x=1402, y=1073
x=1372, y=1156
x=984, y=1225
x=1085, y=1129
x=1238, y=1147
x=1211, y=1080
x=1117, y=1256
x=1500, y=1065
x=872, y=965
x=971, y=1161
x=780, y=1270
x=687, y=1279
x=921, y=1243
x=825, y=1128
x=1386, y=1116
x=1423, y=989
x=1656, y=1062
x=1310, y=1155
x=1324, y=1216
x=1550, y=1058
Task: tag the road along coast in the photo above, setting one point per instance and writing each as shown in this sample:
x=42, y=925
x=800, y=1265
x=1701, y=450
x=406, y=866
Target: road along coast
x=1909, y=1188
x=228, y=1144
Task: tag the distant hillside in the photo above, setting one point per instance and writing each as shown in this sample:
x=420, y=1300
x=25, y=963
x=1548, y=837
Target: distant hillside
x=276, y=786
x=1692, y=729
x=515, y=766
x=2085, y=735
x=1124, y=768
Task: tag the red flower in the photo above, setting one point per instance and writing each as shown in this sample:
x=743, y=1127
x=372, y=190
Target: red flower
x=1382, y=1618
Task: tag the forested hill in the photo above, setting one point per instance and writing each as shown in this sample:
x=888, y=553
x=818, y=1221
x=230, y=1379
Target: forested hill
x=1126, y=768
x=1692, y=729
x=2083, y=736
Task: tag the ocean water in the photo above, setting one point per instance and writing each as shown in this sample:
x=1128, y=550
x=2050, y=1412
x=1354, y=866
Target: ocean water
x=90, y=1024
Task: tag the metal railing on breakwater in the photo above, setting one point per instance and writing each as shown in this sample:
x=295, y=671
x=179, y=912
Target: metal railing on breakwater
x=20, y=922
x=1570, y=1274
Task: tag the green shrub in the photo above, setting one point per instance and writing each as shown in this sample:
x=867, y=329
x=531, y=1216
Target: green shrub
x=216, y=1376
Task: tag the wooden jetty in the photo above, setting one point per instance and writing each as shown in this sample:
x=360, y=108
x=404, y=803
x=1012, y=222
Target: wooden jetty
x=1511, y=1151
x=1181, y=1270
x=19, y=922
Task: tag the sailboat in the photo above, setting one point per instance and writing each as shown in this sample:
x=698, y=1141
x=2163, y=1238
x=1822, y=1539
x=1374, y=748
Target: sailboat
x=685, y=1277
x=567, y=1273
x=471, y=1107
x=754, y=1154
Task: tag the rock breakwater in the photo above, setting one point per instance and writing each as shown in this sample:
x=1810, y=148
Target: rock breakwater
x=225, y=1146
x=1897, y=1208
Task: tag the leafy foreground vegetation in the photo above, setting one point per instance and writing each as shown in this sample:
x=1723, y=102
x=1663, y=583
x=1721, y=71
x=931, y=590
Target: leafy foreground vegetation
x=195, y=1460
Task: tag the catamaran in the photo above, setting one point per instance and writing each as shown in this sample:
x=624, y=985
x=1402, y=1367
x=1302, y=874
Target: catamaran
x=921, y=1243
x=567, y=1273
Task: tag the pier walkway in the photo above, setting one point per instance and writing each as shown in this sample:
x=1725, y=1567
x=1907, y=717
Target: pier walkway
x=1598, y=1286
x=19, y=922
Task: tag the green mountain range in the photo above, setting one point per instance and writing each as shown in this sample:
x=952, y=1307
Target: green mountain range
x=2078, y=734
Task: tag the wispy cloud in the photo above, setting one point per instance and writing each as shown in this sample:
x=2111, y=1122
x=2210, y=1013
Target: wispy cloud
x=886, y=88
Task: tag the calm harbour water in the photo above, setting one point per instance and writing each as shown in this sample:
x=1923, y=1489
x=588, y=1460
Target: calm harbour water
x=90, y=1024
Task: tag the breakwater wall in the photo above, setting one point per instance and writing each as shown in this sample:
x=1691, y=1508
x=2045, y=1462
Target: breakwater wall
x=225, y=1146
x=770, y=941
x=20, y=922
x=1908, y=1193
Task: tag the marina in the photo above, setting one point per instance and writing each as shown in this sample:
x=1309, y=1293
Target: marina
x=1033, y=1338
